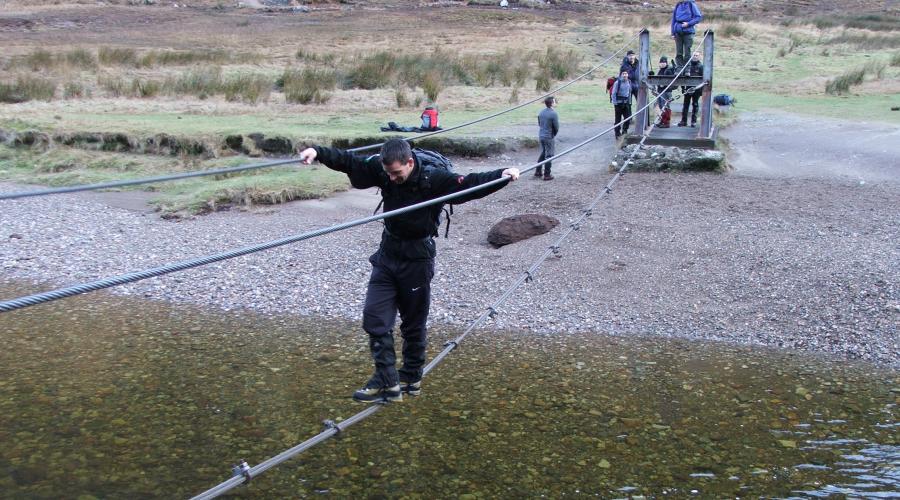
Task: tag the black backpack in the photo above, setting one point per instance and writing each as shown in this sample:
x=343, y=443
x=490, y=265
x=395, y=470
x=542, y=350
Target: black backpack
x=428, y=161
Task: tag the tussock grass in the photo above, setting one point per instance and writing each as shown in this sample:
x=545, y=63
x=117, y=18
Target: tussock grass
x=201, y=82
x=110, y=56
x=145, y=88
x=841, y=84
x=308, y=85
x=80, y=58
x=872, y=22
x=27, y=88
x=183, y=58
x=75, y=90
x=732, y=31
x=247, y=88
x=866, y=41
x=895, y=59
x=113, y=85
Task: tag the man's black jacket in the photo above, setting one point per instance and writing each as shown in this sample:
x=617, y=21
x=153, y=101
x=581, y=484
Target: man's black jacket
x=422, y=184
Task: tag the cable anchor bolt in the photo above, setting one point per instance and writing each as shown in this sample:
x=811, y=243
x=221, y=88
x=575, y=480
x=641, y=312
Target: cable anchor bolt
x=555, y=250
x=529, y=277
x=242, y=469
x=492, y=313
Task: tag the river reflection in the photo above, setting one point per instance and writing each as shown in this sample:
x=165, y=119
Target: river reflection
x=110, y=397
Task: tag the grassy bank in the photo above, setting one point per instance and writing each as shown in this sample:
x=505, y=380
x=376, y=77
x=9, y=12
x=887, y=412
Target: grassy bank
x=65, y=166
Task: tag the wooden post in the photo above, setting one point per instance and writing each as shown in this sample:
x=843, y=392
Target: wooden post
x=642, y=120
x=706, y=126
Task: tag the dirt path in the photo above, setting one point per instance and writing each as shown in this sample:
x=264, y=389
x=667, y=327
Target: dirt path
x=782, y=145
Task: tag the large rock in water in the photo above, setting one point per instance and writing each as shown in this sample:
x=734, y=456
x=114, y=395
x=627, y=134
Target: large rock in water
x=520, y=227
x=666, y=158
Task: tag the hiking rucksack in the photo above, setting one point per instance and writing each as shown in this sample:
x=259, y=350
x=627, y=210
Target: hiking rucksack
x=609, y=85
x=428, y=161
x=724, y=100
x=430, y=118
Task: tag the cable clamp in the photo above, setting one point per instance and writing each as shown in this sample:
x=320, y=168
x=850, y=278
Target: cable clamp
x=575, y=226
x=331, y=424
x=609, y=189
x=492, y=313
x=242, y=469
x=528, y=277
x=555, y=249
x=588, y=212
x=453, y=343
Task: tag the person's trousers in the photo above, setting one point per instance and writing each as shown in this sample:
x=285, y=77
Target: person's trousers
x=692, y=103
x=683, y=44
x=622, y=111
x=404, y=286
x=548, y=150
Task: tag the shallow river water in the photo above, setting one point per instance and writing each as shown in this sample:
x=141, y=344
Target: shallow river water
x=111, y=397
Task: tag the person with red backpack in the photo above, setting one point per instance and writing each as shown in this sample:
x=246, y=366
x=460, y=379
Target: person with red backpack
x=662, y=100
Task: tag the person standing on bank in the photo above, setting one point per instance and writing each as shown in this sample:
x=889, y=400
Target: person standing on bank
x=548, y=125
x=620, y=97
x=631, y=64
x=403, y=265
x=691, y=99
x=685, y=16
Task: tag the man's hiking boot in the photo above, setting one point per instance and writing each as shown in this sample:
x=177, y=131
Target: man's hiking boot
x=538, y=172
x=548, y=177
x=411, y=388
x=682, y=124
x=373, y=393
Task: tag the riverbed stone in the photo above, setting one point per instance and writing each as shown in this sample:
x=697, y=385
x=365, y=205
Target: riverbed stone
x=520, y=227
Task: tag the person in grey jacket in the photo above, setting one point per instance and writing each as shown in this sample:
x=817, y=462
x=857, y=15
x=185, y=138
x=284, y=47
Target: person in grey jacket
x=620, y=96
x=548, y=123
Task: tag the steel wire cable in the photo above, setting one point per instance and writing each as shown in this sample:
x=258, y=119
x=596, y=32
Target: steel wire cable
x=39, y=298
x=332, y=428
x=275, y=163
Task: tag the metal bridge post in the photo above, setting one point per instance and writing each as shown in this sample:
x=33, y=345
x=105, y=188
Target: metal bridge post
x=642, y=120
x=706, y=126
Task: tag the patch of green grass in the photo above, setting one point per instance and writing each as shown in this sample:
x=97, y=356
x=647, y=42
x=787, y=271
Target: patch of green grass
x=268, y=187
x=864, y=107
x=866, y=41
x=66, y=166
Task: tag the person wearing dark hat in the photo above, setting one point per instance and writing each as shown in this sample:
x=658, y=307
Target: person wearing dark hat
x=662, y=100
x=691, y=97
x=685, y=16
x=630, y=64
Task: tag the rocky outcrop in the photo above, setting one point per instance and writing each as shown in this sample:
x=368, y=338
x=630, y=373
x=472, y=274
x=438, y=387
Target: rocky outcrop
x=520, y=227
x=667, y=158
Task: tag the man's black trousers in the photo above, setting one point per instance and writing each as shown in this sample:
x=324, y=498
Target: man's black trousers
x=622, y=111
x=404, y=286
x=692, y=103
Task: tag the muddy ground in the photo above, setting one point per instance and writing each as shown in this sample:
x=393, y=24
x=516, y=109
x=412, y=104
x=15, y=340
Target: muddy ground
x=796, y=247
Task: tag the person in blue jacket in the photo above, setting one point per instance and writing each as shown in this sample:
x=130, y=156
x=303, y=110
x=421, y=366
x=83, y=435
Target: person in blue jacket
x=685, y=16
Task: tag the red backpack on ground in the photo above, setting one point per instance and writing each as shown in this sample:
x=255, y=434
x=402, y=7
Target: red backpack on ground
x=430, y=118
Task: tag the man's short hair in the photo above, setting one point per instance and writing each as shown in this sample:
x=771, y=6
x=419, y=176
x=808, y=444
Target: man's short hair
x=395, y=150
x=549, y=101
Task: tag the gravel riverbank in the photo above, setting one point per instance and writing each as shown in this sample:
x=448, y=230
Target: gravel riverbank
x=771, y=253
